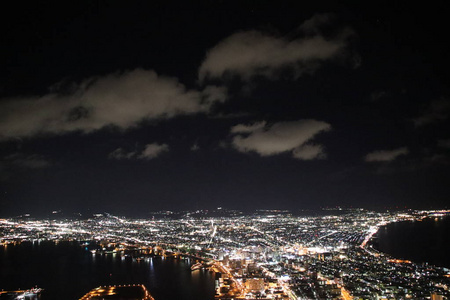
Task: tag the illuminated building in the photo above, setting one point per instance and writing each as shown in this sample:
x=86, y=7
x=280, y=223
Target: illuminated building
x=122, y=292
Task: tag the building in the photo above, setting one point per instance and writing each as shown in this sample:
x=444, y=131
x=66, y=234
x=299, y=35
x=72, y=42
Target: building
x=122, y=292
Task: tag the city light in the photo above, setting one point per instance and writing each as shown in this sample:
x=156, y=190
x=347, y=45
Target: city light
x=268, y=254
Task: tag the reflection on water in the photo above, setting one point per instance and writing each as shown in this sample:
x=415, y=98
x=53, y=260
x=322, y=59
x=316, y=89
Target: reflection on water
x=67, y=271
x=425, y=241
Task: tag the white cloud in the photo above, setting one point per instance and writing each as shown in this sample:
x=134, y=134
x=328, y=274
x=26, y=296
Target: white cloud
x=385, y=155
x=244, y=128
x=309, y=152
x=153, y=150
x=213, y=93
x=122, y=100
x=280, y=137
x=250, y=53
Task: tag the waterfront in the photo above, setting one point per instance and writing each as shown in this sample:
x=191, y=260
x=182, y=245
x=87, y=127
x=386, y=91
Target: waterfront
x=270, y=254
x=66, y=270
x=419, y=241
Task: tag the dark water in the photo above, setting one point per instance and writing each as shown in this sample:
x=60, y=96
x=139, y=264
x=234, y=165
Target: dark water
x=67, y=271
x=425, y=241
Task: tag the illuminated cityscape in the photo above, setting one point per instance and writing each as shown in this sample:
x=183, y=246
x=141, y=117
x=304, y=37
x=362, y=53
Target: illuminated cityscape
x=186, y=150
x=271, y=254
x=135, y=291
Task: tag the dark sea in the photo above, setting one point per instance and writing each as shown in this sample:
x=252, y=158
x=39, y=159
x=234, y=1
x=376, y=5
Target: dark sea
x=426, y=241
x=68, y=271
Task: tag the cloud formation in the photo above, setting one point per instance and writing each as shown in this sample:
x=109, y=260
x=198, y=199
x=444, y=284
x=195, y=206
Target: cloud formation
x=385, y=155
x=150, y=151
x=195, y=147
x=120, y=153
x=280, y=137
x=18, y=162
x=248, y=128
x=153, y=150
x=122, y=100
x=309, y=152
x=313, y=25
x=250, y=53
x=26, y=161
x=438, y=111
x=377, y=95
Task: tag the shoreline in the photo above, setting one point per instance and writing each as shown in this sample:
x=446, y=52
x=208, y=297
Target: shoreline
x=368, y=243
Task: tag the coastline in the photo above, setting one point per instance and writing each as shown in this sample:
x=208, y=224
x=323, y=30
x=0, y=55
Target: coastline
x=373, y=246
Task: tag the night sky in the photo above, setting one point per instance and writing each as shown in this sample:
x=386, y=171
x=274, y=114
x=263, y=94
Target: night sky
x=135, y=107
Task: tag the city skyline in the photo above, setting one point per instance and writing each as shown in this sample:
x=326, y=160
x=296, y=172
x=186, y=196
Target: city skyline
x=144, y=107
x=343, y=254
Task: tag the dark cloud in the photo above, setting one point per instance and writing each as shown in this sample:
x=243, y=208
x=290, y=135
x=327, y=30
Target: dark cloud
x=120, y=153
x=444, y=143
x=313, y=25
x=438, y=111
x=280, y=137
x=249, y=53
x=233, y=115
x=438, y=159
x=26, y=161
x=20, y=162
x=150, y=151
x=385, y=155
x=195, y=147
x=377, y=95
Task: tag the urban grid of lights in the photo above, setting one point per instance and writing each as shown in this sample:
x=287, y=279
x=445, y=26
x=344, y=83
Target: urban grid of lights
x=269, y=255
